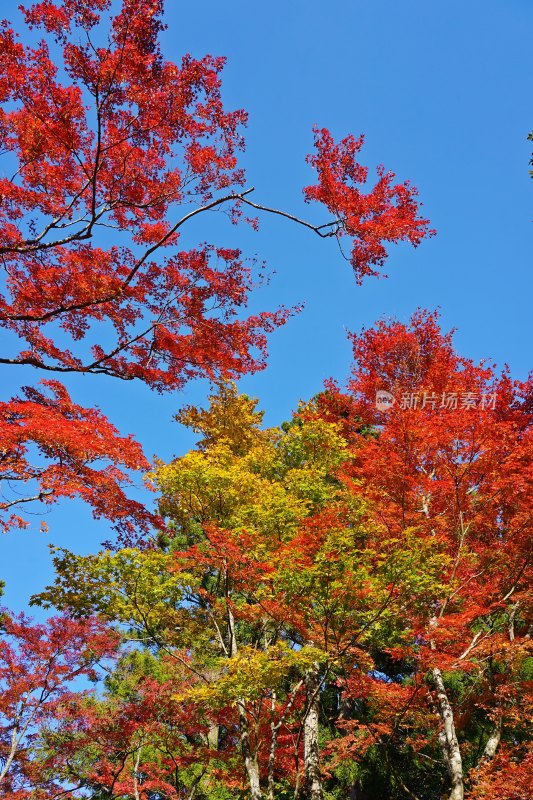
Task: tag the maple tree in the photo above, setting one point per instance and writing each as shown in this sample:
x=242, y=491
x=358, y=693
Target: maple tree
x=137, y=738
x=452, y=464
x=39, y=667
x=109, y=150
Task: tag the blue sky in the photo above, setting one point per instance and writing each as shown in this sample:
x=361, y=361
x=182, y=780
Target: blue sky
x=442, y=91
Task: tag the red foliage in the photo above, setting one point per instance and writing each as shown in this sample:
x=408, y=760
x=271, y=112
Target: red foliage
x=103, y=137
x=460, y=473
x=148, y=724
x=121, y=146
x=507, y=777
x=74, y=178
x=57, y=448
x=387, y=213
x=39, y=665
x=450, y=462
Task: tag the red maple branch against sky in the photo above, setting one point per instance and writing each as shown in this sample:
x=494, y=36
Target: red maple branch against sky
x=115, y=137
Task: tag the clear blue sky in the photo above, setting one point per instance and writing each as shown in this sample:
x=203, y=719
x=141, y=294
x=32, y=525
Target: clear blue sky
x=443, y=92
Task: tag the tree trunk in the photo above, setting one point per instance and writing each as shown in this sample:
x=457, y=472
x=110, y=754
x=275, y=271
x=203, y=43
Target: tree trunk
x=136, y=794
x=313, y=781
x=250, y=758
x=489, y=751
x=274, y=730
x=212, y=736
x=12, y=752
x=448, y=739
x=251, y=764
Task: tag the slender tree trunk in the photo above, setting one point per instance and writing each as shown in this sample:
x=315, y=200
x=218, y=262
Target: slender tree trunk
x=491, y=745
x=12, y=752
x=136, y=774
x=297, y=786
x=212, y=736
x=249, y=755
x=448, y=739
x=250, y=758
x=313, y=780
x=17, y=734
x=489, y=751
x=274, y=730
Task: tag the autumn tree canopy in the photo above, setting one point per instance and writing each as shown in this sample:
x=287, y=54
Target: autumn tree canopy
x=338, y=607
x=109, y=150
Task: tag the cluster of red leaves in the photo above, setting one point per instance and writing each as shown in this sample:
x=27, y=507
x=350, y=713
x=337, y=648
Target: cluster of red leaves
x=39, y=665
x=506, y=777
x=161, y=138
x=462, y=476
x=138, y=742
x=227, y=551
x=387, y=213
x=126, y=141
x=57, y=447
x=390, y=708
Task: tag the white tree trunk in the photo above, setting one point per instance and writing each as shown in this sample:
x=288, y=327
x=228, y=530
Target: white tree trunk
x=313, y=780
x=250, y=758
x=489, y=751
x=251, y=764
x=448, y=739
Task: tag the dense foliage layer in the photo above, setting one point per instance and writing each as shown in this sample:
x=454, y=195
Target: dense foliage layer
x=336, y=608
